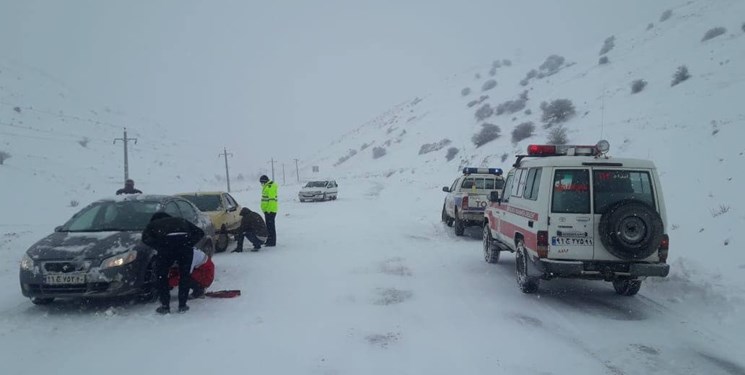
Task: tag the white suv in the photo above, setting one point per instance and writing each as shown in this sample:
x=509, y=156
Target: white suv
x=468, y=197
x=321, y=190
x=571, y=211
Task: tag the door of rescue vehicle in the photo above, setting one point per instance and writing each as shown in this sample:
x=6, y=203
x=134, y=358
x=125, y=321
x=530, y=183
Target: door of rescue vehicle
x=572, y=224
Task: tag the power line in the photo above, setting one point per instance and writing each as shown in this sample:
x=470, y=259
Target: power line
x=225, y=153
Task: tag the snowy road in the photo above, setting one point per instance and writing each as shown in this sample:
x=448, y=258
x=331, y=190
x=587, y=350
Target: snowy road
x=370, y=284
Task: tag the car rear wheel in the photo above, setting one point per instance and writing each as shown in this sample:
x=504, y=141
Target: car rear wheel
x=491, y=253
x=627, y=287
x=221, y=243
x=460, y=225
x=41, y=301
x=528, y=284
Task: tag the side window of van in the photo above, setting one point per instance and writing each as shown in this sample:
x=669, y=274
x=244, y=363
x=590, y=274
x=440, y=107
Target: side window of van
x=507, y=188
x=532, y=184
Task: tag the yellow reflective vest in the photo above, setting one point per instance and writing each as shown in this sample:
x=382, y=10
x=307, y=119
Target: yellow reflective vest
x=269, y=197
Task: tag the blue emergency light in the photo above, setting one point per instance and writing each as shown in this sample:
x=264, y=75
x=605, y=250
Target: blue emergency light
x=472, y=170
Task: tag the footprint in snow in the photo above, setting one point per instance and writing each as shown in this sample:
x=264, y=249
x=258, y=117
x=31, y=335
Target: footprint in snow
x=645, y=349
x=392, y=296
x=395, y=267
x=383, y=340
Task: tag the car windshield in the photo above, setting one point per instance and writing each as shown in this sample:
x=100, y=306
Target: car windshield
x=611, y=186
x=112, y=216
x=205, y=203
x=316, y=184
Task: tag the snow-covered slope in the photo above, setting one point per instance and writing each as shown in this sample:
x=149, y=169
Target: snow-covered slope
x=693, y=131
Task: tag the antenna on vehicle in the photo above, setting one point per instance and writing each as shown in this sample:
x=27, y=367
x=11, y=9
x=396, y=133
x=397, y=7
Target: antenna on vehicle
x=602, y=113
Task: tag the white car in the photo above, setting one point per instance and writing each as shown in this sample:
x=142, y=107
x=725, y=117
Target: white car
x=571, y=211
x=321, y=190
x=468, y=196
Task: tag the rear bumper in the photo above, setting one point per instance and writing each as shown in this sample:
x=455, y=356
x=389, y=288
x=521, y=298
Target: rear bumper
x=600, y=270
x=473, y=216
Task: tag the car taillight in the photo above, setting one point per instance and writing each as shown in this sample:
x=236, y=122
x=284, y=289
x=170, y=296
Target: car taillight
x=664, y=246
x=464, y=203
x=542, y=244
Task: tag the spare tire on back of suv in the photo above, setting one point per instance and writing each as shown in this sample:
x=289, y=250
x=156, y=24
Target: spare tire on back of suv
x=631, y=230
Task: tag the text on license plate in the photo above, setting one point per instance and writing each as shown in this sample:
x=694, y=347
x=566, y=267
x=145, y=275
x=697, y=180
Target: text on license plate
x=571, y=241
x=64, y=279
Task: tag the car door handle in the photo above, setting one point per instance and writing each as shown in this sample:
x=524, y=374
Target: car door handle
x=583, y=219
x=530, y=223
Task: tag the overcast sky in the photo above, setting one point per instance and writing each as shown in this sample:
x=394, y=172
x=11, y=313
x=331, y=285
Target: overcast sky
x=281, y=78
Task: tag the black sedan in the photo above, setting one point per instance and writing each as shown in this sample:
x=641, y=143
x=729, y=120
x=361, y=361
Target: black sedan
x=99, y=253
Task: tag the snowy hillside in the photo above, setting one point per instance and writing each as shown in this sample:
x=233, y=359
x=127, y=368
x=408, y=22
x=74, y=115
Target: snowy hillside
x=693, y=130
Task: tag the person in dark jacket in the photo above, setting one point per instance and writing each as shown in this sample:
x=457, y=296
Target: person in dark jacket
x=253, y=228
x=174, y=239
x=129, y=188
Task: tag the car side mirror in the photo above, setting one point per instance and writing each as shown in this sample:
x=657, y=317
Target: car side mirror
x=58, y=228
x=494, y=197
x=446, y=189
x=232, y=208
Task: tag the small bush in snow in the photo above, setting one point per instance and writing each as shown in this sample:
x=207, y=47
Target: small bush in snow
x=492, y=72
x=488, y=133
x=650, y=26
x=743, y=27
x=472, y=103
x=496, y=64
x=465, y=91
x=680, y=75
x=552, y=64
x=666, y=15
x=507, y=62
x=557, y=111
x=74, y=203
x=17, y=109
x=477, y=76
x=452, y=151
x=557, y=136
x=488, y=85
x=723, y=209
x=3, y=157
x=84, y=142
x=524, y=82
x=431, y=147
x=638, y=85
x=713, y=33
x=522, y=131
x=364, y=146
x=513, y=106
x=378, y=152
x=346, y=157
x=531, y=74
x=608, y=45
x=528, y=112
x=504, y=157
x=484, y=112
x=603, y=60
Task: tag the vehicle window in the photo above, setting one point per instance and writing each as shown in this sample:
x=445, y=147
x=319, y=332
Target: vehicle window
x=499, y=184
x=455, y=185
x=532, y=192
x=187, y=211
x=468, y=183
x=316, y=184
x=507, y=188
x=205, y=203
x=529, y=184
x=519, y=184
x=515, y=180
x=172, y=209
x=571, y=191
x=611, y=186
x=113, y=216
x=231, y=201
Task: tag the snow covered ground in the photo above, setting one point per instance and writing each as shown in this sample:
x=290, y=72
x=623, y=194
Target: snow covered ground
x=373, y=283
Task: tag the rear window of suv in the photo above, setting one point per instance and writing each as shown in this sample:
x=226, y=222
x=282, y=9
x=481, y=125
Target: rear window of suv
x=611, y=186
x=482, y=183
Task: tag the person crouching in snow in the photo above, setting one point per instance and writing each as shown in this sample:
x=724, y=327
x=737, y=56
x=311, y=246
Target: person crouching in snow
x=201, y=276
x=253, y=228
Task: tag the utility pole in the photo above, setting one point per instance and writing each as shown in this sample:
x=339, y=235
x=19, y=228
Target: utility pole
x=272, y=161
x=283, y=174
x=297, y=171
x=126, y=140
x=225, y=153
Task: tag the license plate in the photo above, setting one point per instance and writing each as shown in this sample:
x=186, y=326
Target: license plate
x=65, y=279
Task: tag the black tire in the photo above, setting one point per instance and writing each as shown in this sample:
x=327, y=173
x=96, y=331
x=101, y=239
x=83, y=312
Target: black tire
x=627, y=287
x=209, y=248
x=528, y=284
x=222, y=241
x=324, y=198
x=41, y=301
x=491, y=252
x=631, y=230
x=445, y=217
x=459, y=225
x=149, y=288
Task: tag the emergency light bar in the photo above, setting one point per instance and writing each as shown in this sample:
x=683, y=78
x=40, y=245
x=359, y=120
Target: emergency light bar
x=569, y=150
x=471, y=170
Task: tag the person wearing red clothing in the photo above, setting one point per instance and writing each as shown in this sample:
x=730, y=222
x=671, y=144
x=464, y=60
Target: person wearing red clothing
x=201, y=277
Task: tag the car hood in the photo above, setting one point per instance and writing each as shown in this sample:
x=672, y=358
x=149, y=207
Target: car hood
x=311, y=189
x=85, y=245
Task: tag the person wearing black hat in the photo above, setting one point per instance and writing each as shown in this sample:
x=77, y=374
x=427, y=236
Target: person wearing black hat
x=269, y=206
x=174, y=239
x=129, y=188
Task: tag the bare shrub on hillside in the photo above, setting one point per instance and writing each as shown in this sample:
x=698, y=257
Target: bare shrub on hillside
x=523, y=131
x=488, y=85
x=477, y=76
x=650, y=26
x=603, y=60
x=557, y=136
x=507, y=62
x=488, y=133
x=528, y=112
x=608, y=45
x=496, y=64
x=666, y=15
x=552, y=64
x=84, y=142
x=484, y=112
x=365, y=146
x=378, y=152
x=436, y=146
x=74, y=203
x=638, y=86
x=719, y=211
x=743, y=27
x=557, y=111
x=4, y=156
x=452, y=152
x=465, y=91
x=504, y=157
x=17, y=109
x=346, y=157
x=492, y=72
x=713, y=33
x=513, y=106
x=472, y=103
x=680, y=75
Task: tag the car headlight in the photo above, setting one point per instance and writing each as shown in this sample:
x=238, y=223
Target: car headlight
x=119, y=260
x=27, y=264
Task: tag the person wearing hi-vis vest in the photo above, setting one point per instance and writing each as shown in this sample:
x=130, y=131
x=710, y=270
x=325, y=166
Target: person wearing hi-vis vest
x=269, y=207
